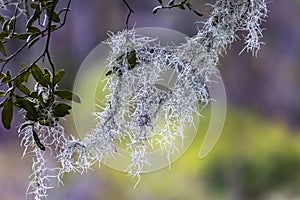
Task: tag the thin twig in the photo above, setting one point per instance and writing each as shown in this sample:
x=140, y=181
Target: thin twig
x=130, y=12
x=180, y=5
x=66, y=10
x=47, y=52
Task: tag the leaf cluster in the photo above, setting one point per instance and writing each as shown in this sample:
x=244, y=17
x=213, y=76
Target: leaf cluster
x=44, y=105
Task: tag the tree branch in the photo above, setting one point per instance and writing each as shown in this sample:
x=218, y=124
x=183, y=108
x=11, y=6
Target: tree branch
x=130, y=12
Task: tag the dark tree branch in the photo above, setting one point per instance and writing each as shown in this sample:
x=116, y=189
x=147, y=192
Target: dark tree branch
x=181, y=5
x=130, y=12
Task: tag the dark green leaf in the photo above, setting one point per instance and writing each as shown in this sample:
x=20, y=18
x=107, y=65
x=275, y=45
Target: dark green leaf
x=61, y=110
x=21, y=78
x=3, y=34
x=30, y=117
x=68, y=95
x=2, y=75
x=7, y=77
x=24, y=89
x=35, y=5
x=7, y=113
x=23, y=36
x=55, y=17
x=58, y=76
x=33, y=29
x=34, y=95
x=37, y=140
x=53, y=27
x=47, y=78
x=131, y=58
x=2, y=48
x=26, y=76
x=38, y=75
x=33, y=18
x=29, y=106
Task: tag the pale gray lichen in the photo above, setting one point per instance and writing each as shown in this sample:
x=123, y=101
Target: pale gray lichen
x=137, y=102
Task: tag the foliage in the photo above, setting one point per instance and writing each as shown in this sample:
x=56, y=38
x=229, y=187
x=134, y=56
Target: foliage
x=265, y=158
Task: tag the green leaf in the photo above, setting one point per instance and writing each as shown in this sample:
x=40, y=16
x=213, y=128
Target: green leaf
x=55, y=17
x=35, y=5
x=68, y=95
x=24, y=89
x=38, y=75
x=23, y=36
x=33, y=18
x=37, y=140
x=2, y=75
x=30, y=117
x=7, y=113
x=53, y=27
x=47, y=76
x=2, y=48
x=33, y=29
x=28, y=106
x=131, y=58
x=7, y=78
x=34, y=95
x=61, y=110
x=3, y=34
x=58, y=76
x=21, y=77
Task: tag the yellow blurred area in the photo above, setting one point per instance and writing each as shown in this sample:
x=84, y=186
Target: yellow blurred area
x=254, y=159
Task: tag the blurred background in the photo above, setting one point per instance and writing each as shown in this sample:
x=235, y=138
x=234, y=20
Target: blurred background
x=258, y=154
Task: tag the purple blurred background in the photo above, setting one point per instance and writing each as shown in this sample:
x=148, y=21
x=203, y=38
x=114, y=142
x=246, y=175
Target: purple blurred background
x=267, y=85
